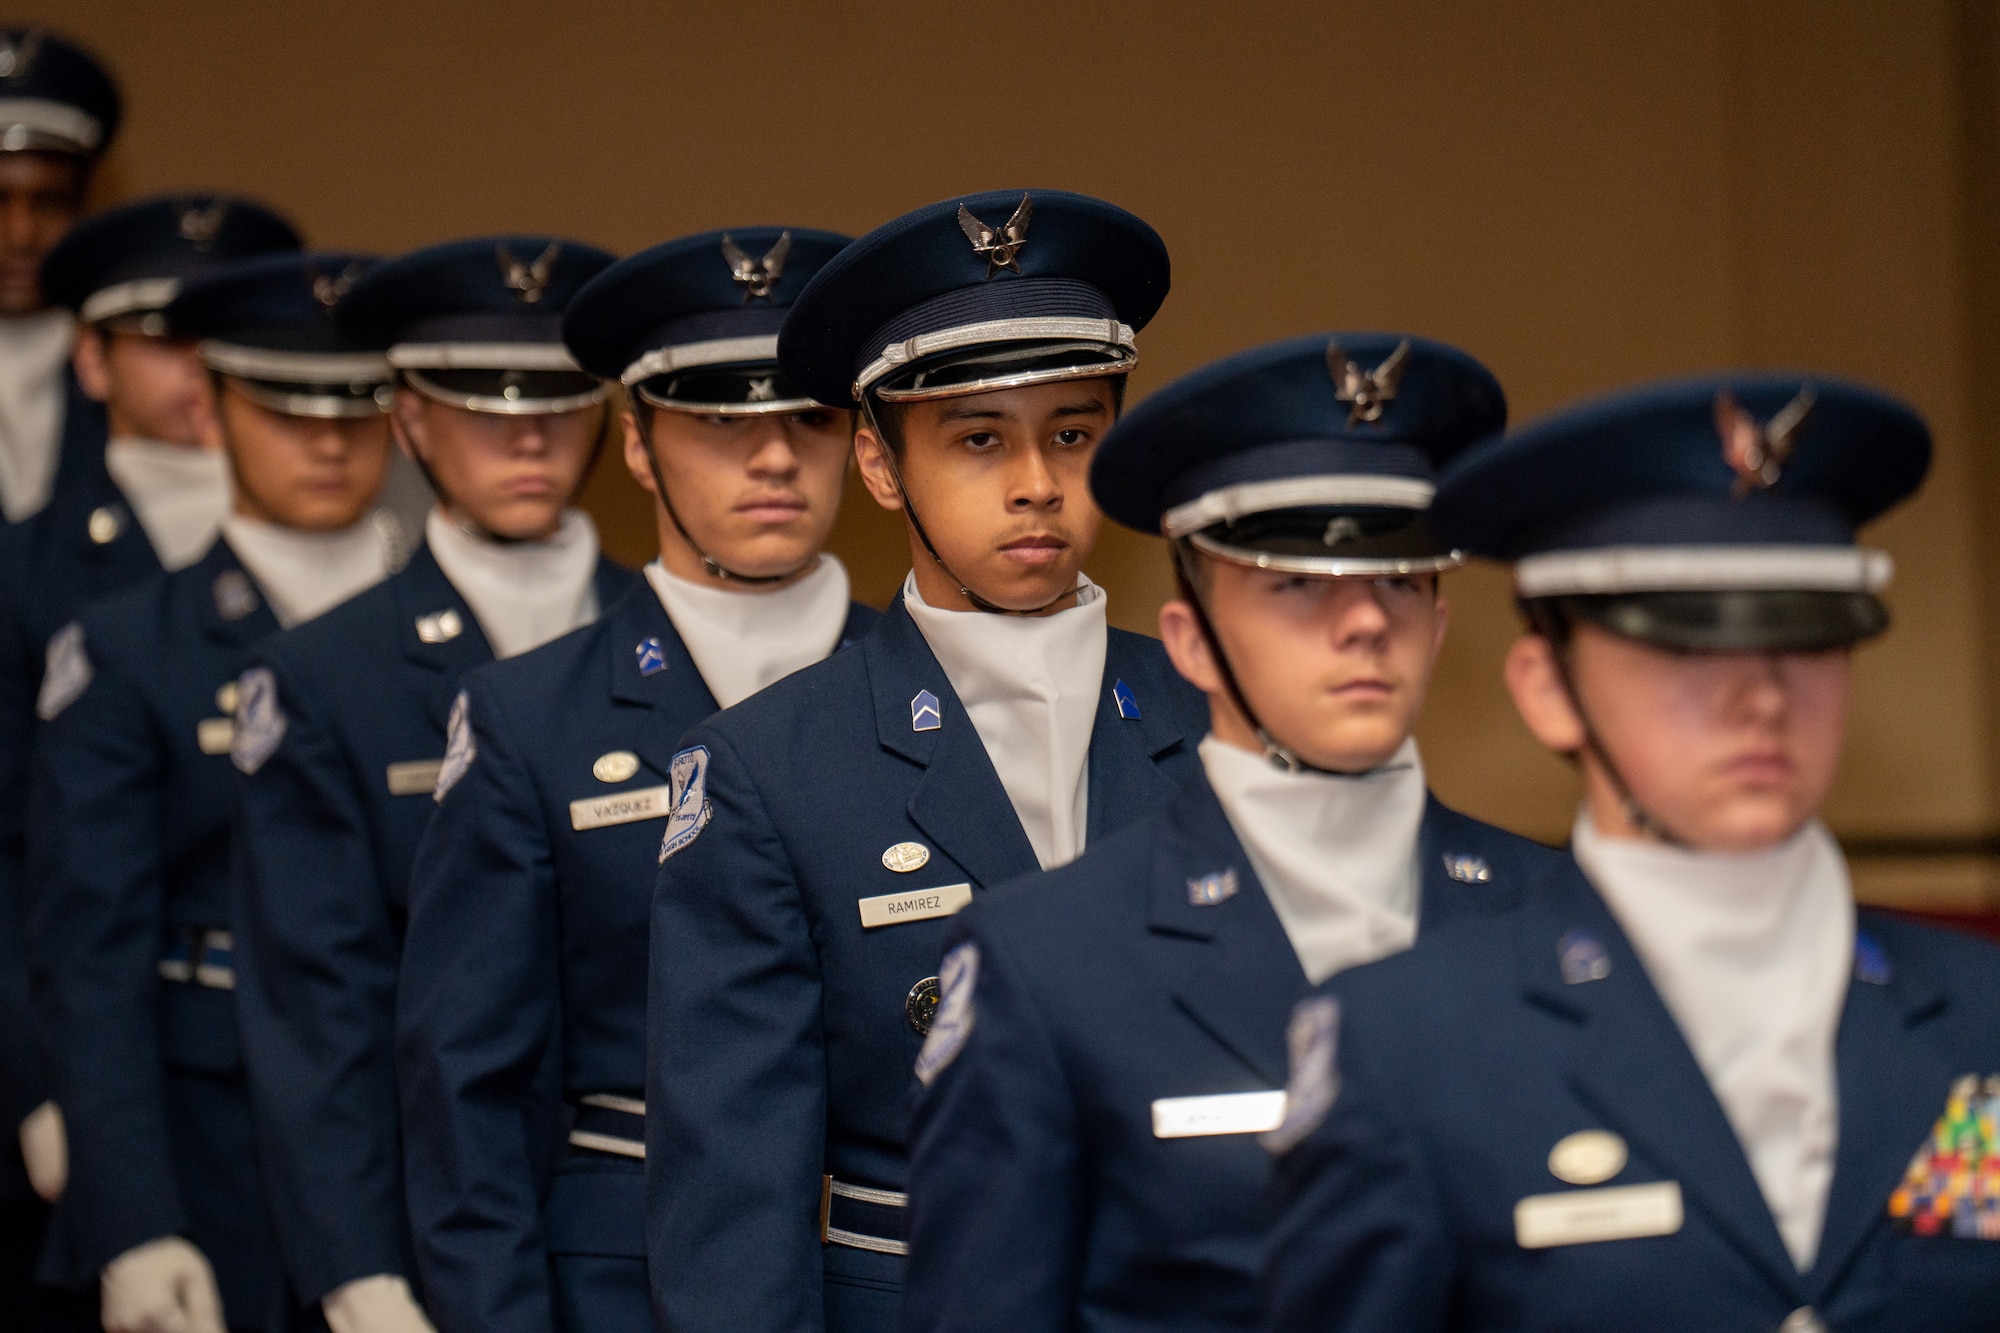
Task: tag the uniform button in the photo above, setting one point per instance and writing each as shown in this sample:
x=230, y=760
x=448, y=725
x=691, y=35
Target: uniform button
x=1805, y=1319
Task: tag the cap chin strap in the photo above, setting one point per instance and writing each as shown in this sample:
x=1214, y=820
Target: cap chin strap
x=715, y=568
x=1280, y=755
x=472, y=525
x=909, y=507
x=1544, y=623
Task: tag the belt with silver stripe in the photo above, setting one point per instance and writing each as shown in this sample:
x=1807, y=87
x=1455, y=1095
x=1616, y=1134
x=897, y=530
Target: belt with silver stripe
x=861, y=1218
x=606, y=1122
x=200, y=956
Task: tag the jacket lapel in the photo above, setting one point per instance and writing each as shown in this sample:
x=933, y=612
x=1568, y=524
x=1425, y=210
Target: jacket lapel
x=958, y=802
x=1125, y=778
x=1241, y=982
x=1452, y=852
x=635, y=619
x=1631, y=1064
x=1892, y=1087
x=220, y=604
x=422, y=591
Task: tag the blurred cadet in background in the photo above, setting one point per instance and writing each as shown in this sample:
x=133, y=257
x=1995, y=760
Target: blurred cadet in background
x=130, y=941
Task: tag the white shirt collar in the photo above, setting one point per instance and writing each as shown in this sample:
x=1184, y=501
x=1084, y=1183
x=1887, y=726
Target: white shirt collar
x=522, y=593
x=33, y=350
x=179, y=494
x=1751, y=954
x=743, y=640
x=1337, y=855
x=1030, y=686
x=305, y=574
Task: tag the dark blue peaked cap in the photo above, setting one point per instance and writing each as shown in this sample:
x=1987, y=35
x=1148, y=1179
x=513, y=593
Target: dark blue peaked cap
x=1080, y=264
x=281, y=302
x=490, y=289
x=133, y=259
x=1318, y=453
x=1714, y=512
x=269, y=324
x=54, y=96
x=693, y=323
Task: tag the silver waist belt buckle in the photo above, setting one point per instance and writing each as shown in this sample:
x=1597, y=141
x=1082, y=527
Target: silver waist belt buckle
x=611, y=1132
x=201, y=957
x=829, y=1234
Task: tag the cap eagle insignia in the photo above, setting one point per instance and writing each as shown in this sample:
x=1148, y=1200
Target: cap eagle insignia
x=757, y=277
x=1366, y=392
x=527, y=281
x=1001, y=248
x=1757, y=454
x=18, y=57
x=328, y=290
x=200, y=224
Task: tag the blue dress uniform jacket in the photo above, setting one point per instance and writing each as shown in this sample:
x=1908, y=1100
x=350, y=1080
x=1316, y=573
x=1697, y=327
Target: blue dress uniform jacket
x=1040, y=1196
x=780, y=1044
x=529, y=934
x=1459, y=1066
x=327, y=832
x=130, y=861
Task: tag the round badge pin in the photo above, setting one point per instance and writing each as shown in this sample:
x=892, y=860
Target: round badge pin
x=906, y=856
x=225, y=698
x=1588, y=1157
x=104, y=525
x=615, y=766
x=920, y=1006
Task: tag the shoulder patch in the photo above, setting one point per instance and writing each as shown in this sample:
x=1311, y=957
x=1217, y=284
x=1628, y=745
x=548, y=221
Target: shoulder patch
x=260, y=720
x=687, y=804
x=67, y=674
x=1313, y=1039
x=459, y=749
x=952, y=1024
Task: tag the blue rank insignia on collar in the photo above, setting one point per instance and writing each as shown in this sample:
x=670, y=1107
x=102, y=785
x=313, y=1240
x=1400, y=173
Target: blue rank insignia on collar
x=1952, y=1187
x=1128, y=704
x=1871, y=960
x=652, y=657
x=1582, y=958
x=1208, y=890
x=925, y=712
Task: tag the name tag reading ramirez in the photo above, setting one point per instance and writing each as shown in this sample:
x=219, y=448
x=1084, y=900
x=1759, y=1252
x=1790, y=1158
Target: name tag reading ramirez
x=1579, y=1217
x=623, y=807
x=893, y=909
x=1224, y=1113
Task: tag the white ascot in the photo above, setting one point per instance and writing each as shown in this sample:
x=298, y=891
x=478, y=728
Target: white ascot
x=742, y=641
x=33, y=349
x=1751, y=953
x=1336, y=854
x=522, y=593
x=1030, y=686
x=306, y=574
x=179, y=493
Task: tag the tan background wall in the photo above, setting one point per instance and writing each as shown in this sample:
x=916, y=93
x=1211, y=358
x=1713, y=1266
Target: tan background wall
x=1583, y=194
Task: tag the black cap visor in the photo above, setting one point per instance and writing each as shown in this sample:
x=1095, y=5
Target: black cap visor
x=1334, y=541
x=744, y=390
x=509, y=392
x=1738, y=620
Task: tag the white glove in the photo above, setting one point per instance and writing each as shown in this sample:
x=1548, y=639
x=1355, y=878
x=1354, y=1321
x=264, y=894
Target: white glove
x=379, y=1304
x=45, y=1148
x=163, y=1286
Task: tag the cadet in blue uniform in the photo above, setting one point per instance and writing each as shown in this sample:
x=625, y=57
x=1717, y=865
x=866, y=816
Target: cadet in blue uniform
x=129, y=852
x=821, y=832
x=533, y=887
x=1111, y=1036
x=499, y=416
x=1690, y=1087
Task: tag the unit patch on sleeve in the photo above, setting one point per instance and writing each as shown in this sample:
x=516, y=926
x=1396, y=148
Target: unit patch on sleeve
x=951, y=1025
x=67, y=675
x=1312, y=1039
x=459, y=750
x=688, y=811
x=260, y=720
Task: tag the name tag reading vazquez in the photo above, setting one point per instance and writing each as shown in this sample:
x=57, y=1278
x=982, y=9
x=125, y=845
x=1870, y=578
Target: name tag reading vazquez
x=892, y=909
x=623, y=807
x=1224, y=1113
x=1579, y=1217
